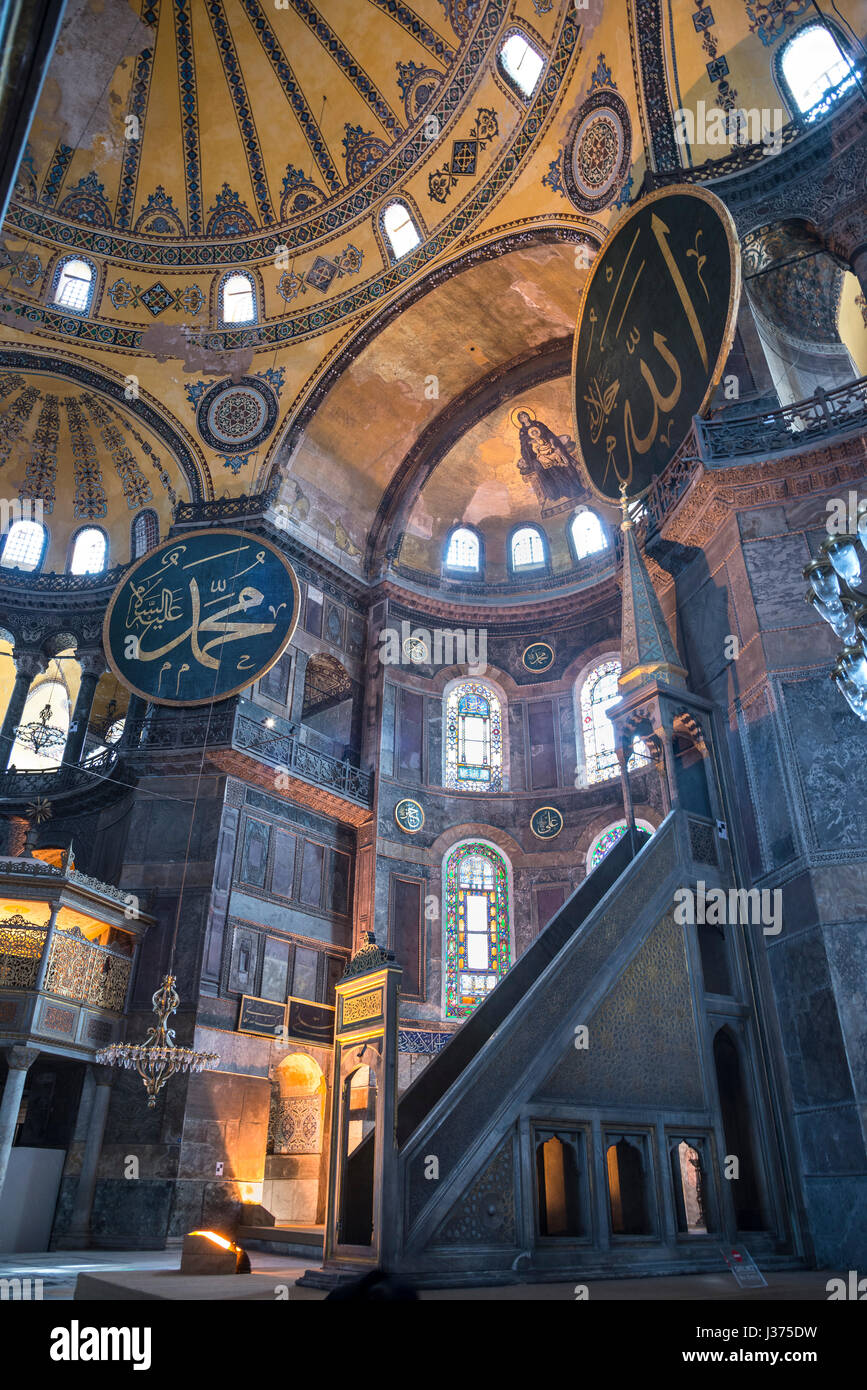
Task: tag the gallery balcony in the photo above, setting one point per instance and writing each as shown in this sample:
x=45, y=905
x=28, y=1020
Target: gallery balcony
x=68, y=945
x=279, y=755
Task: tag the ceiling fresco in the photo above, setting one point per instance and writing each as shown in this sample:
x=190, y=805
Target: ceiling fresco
x=179, y=140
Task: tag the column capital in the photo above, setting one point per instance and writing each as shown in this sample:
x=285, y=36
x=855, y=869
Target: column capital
x=103, y=1076
x=21, y=1058
x=28, y=663
x=92, y=664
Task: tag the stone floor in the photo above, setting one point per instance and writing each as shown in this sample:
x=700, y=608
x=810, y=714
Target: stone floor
x=59, y=1271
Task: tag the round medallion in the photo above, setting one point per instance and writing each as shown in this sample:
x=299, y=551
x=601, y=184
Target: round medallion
x=415, y=650
x=201, y=617
x=409, y=816
x=546, y=823
x=598, y=151
x=235, y=417
x=538, y=657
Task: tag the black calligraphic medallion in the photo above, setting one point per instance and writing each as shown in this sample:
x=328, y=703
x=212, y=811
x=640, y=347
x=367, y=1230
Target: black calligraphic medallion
x=538, y=656
x=655, y=326
x=201, y=617
x=546, y=823
x=409, y=816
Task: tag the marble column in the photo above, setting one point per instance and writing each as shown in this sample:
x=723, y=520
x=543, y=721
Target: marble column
x=92, y=668
x=19, y=1059
x=78, y=1235
x=858, y=262
x=27, y=665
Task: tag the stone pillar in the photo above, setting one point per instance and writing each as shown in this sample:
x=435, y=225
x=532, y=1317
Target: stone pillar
x=19, y=1060
x=298, y=677
x=135, y=713
x=858, y=262
x=27, y=665
x=78, y=1235
x=92, y=668
x=46, y=949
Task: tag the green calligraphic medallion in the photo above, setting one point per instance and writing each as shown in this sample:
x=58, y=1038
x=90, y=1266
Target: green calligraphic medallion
x=201, y=617
x=655, y=326
x=546, y=823
x=409, y=816
x=538, y=657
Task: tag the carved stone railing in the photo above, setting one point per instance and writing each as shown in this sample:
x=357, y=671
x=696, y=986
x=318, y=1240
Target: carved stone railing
x=21, y=947
x=87, y=972
x=789, y=428
x=743, y=156
x=287, y=753
x=192, y=729
x=50, y=782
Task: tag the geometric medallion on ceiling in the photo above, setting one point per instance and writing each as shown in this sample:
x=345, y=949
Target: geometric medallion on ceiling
x=598, y=151
x=235, y=417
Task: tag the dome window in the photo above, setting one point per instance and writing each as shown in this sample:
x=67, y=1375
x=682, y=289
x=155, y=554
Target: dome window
x=25, y=542
x=237, y=299
x=73, y=285
x=89, y=552
x=463, y=551
x=400, y=229
x=811, y=65
x=521, y=64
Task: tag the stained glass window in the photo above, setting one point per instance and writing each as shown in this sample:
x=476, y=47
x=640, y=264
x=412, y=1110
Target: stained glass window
x=598, y=693
x=608, y=839
x=474, y=740
x=478, y=946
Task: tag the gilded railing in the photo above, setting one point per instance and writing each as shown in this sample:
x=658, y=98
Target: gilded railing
x=83, y=970
x=21, y=946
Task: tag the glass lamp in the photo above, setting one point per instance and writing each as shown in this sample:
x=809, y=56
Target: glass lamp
x=841, y=551
x=853, y=697
x=853, y=664
x=825, y=581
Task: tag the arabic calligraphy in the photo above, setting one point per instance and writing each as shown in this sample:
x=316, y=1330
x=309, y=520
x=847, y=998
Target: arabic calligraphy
x=546, y=823
x=201, y=617
x=538, y=656
x=656, y=324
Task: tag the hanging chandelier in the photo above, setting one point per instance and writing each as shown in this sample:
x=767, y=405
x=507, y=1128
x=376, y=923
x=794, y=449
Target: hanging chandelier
x=157, y=1059
x=834, y=578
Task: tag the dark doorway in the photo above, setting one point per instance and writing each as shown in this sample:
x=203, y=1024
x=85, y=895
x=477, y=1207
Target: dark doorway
x=737, y=1130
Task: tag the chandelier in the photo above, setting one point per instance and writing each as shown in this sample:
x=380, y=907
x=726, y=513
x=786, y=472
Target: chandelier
x=157, y=1059
x=42, y=737
x=834, y=578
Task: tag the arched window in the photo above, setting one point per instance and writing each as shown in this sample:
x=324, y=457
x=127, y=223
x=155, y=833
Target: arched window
x=145, y=533
x=237, y=299
x=609, y=837
x=463, y=551
x=73, y=285
x=521, y=64
x=89, y=551
x=598, y=693
x=474, y=738
x=812, y=64
x=24, y=547
x=586, y=534
x=42, y=733
x=528, y=548
x=478, y=948
x=400, y=229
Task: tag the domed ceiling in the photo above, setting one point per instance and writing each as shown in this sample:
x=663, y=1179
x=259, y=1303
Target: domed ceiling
x=179, y=140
